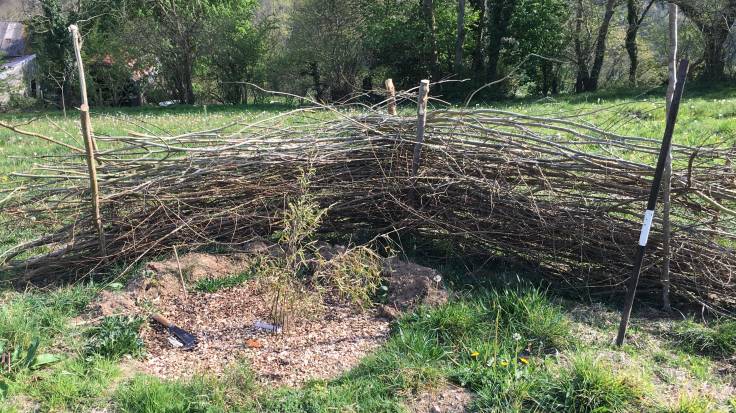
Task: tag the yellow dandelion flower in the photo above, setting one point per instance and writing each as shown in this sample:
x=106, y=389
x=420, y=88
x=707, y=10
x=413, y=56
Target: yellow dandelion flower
x=474, y=354
x=524, y=360
x=504, y=363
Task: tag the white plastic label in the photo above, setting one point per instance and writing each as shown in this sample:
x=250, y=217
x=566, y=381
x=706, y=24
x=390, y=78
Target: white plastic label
x=645, y=227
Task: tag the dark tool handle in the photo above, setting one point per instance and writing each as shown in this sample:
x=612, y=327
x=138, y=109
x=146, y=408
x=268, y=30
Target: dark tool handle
x=652, y=202
x=163, y=321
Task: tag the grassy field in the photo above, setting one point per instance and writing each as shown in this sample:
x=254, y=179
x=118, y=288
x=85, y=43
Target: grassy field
x=475, y=341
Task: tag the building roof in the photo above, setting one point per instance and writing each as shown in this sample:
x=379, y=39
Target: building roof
x=13, y=39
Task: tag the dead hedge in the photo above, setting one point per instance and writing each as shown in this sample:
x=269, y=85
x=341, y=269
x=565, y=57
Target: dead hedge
x=555, y=191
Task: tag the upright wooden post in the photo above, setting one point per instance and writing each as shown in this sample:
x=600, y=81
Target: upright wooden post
x=391, y=92
x=666, y=227
x=652, y=202
x=89, y=143
x=421, y=124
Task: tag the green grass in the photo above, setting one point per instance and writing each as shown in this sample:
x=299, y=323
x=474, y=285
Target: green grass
x=150, y=395
x=73, y=382
x=115, y=337
x=588, y=386
x=211, y=285
x=717, y=339
x=694, y=404
x=473, y=341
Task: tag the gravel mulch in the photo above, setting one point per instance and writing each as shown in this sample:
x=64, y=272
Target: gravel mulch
x=326, y=344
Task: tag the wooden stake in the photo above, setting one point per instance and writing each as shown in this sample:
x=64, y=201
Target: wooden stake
x=652, y=202
x=181, y=273
x=391, y=92
x=89, y=143
x=666, y=227
x=421, y=124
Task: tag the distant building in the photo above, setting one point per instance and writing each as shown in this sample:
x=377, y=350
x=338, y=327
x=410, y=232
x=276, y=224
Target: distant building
x=18, y=70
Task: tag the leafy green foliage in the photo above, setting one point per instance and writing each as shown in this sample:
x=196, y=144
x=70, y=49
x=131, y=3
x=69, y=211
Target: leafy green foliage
x=114, y=337
x=717, y=339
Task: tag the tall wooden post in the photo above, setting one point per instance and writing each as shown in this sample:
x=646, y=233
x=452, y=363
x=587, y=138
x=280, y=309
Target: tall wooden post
x=391, y=92
x=666, y=226
x=652, y=202
x=89, y=143
x=422, y=100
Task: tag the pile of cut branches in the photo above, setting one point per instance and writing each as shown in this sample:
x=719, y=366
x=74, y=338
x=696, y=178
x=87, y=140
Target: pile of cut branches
x=558, y=192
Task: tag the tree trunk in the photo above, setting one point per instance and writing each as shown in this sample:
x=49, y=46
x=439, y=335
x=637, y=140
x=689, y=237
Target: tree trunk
x=432, y=53
x=499, y=20
x=460, y=40
x=632, y=17
x=600, y=47
x=667, y=178
x=634, y=22
x=713, y=51
x=581, y=57
x=714, y=24
x=480, y=36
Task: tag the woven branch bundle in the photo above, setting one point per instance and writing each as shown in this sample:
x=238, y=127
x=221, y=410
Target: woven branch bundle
x=557, y=192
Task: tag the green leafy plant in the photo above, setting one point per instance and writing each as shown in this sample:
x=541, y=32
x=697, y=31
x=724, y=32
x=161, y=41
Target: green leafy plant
x=26, y=357
x=301, y=220
x=115, y=337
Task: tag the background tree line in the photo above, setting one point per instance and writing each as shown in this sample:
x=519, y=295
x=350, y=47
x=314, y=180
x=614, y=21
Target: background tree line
x=210, y=50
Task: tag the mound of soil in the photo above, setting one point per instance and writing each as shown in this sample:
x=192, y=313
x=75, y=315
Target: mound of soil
x=410, y=286
x=109, y=303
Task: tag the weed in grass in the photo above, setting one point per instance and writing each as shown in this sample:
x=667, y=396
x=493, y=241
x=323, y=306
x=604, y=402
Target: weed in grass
x=115, y=337
x=588, y=386
x=717, y=339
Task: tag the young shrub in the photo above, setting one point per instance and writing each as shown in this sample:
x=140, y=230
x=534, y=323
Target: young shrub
x=588, y=386
x=115, y=337
x=301, y=221
x=355, y=275
x=718, y=339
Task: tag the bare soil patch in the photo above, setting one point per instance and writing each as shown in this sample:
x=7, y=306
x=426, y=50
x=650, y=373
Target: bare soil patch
x=321, y=347
x=321, y=341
